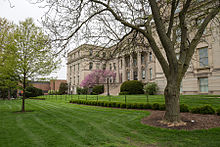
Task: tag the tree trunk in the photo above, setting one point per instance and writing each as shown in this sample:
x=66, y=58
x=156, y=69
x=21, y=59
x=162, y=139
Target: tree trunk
x=9, y=94
x=23, y=99
x=172, y=93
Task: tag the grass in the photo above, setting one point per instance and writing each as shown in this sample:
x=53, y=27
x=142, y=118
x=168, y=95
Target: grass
x=190, y=100
x=58, y=123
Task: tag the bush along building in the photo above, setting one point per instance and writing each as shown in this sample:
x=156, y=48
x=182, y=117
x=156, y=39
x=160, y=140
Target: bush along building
x=139, y=63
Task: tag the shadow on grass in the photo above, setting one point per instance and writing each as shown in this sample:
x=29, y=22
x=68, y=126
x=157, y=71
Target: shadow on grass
x=23, y=111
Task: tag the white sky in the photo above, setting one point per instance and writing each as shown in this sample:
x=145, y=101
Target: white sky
x=21, y=10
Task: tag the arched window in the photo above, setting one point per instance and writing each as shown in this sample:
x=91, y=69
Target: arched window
x=90, y=65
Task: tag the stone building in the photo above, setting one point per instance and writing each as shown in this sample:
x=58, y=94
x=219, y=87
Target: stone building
x=202, y=77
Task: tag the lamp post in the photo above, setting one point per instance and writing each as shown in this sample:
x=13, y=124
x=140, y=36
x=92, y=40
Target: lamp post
x=108, y=87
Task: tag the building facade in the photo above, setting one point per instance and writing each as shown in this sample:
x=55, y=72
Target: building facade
x=202, y=77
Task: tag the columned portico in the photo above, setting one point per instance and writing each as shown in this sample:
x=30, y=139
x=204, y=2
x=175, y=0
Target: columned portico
x=123, y=70
x=139, y=66
x=131, y=67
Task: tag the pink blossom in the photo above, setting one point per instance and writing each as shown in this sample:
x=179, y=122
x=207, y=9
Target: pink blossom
x=97, y=77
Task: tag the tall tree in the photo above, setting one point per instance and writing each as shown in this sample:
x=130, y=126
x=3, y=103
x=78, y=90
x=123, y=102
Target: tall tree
x=35, y=56
x=63, y=88
x=8, y=80
x=97, y=77
x=169, y=26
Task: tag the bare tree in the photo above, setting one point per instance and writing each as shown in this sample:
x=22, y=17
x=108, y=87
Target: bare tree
x=165, y=25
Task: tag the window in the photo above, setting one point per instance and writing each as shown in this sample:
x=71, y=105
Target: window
x=70, y=70
x=110, y=67
x=74, y=80
x=104, y=66
x=121, y=64
x=78, y=80
x=203, y=57
x=127, y=62
x=135, y=75
x=74, y=68
x=103, y=54
x=78, y=54
x=203, y=84
x=97, y=65
x=114, y=65
x=142, y=59
x=143, y=74
x=151, y=74
x=111, y=80
x=90, y=65
x=135, y=61
x=90, y=52
x=78, y=66
x=150, y=56
x=128, y=75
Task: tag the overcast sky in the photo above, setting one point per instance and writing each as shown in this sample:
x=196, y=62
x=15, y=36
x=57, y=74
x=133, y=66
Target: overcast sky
x=21, y=10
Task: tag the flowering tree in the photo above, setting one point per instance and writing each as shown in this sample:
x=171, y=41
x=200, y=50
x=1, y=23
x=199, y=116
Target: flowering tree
x=97, y=77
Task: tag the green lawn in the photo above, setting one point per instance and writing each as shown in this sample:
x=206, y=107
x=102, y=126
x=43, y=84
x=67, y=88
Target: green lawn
x=190, y=100
x=58, y=123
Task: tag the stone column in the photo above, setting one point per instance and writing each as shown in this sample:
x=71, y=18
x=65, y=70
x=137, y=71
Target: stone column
x=139, y=66
x=117, y=70
x=131, y=67
x=123, y=69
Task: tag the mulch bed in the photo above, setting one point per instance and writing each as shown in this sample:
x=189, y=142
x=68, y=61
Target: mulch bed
x=193, y=121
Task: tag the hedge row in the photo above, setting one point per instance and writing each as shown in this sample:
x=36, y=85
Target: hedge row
x=156, y=106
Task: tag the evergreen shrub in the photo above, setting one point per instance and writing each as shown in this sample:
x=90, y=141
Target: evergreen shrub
x=98, y=89
x=132, y=87
x=33, y=92
x=218, y=111
x=82, y=90
x=147, y=106
x=156, y=106
x=122, y=105
x=123, y=93
x=162, y=107
x=203, y=110
x=184, y=108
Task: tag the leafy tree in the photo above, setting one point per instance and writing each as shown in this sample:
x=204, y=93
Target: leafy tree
x=97, y=77
x=8, y=80
x=151, y=88
x=35, y=56
x=169, y=26
x=63, y=88
x=33, y=91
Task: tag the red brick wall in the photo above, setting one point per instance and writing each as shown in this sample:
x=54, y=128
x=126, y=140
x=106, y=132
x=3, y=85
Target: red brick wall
x=41, y=85
x=55, y=84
